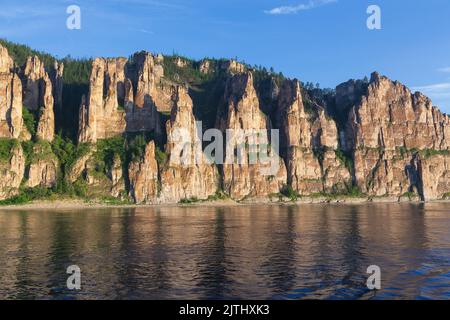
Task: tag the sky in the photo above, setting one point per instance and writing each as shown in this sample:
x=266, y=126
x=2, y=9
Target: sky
x=321, y=41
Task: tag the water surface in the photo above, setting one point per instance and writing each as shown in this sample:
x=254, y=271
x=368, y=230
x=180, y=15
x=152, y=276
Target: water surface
x=245, y=252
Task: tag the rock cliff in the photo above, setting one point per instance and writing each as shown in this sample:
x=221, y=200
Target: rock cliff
x=309, y=142
x=368, y=138
x=386, y=129
x=187, y=173
x=38, y=97
x=143, y=173
x=12, y=172
x=242, y=176
x=11, y=121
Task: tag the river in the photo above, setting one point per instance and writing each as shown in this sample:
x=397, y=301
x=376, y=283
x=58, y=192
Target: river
x=241, y=252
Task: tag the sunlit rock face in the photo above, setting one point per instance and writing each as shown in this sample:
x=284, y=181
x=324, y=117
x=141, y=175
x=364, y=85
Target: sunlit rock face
x=12, y=172
x=101, y=115
x=38, y=97
x=435, y=176
x=43, y=168
x=309, y=140
x=187, y=173
x=241, y=113
x=11, y=121
x=372, y=137
x=384, y=128
x=143, y=174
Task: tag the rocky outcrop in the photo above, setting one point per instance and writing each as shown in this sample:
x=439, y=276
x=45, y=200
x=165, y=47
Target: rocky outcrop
x=205, y=66
x=57, y=82
x=233, y=67
x=309, y=142
x=44, y=167
x=434, y=174
x=373, y=136
x=11, y=122
x=187, y=174
x=243, y=175
x=38, y=96
x=143, y=175
x=335, y=174
x=146, y=94
x=115, y=174
x=388, y=123
x=12, y=172
x=101, y=114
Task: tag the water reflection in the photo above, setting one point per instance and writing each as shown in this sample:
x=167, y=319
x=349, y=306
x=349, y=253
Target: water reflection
x=248, y=252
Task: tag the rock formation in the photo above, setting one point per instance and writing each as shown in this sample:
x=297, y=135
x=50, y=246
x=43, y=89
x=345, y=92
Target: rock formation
x=143, y=174
x=38, y=96
x=101, y=115
x=384, y=128
x=243, y=177
x=57, y=82
x=435, y=176
x=44, y=167
x=11, y=121
x=115, y=174
x=233, y=67
x=309, y=142
x=187, y=174
x=369, y=137
x=145, y=94
x=12, y=173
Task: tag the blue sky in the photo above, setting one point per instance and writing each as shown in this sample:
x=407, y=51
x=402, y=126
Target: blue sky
x=323, y=41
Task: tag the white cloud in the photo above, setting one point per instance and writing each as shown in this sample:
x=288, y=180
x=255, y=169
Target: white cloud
x=438, y=88
x=300, y=7
x=446, y=70
x=439, y=93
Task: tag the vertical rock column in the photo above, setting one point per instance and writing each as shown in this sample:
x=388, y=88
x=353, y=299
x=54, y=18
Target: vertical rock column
x=38, y=97
x=187, y=174
x=11, y=121
x=241, y=112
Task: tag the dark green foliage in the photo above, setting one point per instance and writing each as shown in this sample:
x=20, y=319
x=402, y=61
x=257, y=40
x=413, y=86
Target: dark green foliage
x=287, y=191
x=161, y=157
x=16, y=200
x=27, y=147
x=346, y=159
x=20, y=54
x=189, y=74
x=189, y=201
x=427, y=153
x=136, y=147
x=106, y=151
x=6, y=146
x=30, y=120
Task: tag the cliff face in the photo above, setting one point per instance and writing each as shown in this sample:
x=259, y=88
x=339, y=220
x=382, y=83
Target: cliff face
x=44, y=166
x=187, y=174
x=371, y=138
x=100, y=115
x=382, y=131
x=124, y=97
x=143, y=175
x=10, y=98
x=241, y=113
x=38, y=96
x=12, y=173
x=309, y=144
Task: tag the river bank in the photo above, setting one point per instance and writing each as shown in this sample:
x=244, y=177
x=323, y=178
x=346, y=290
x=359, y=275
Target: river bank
x=99, y=204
